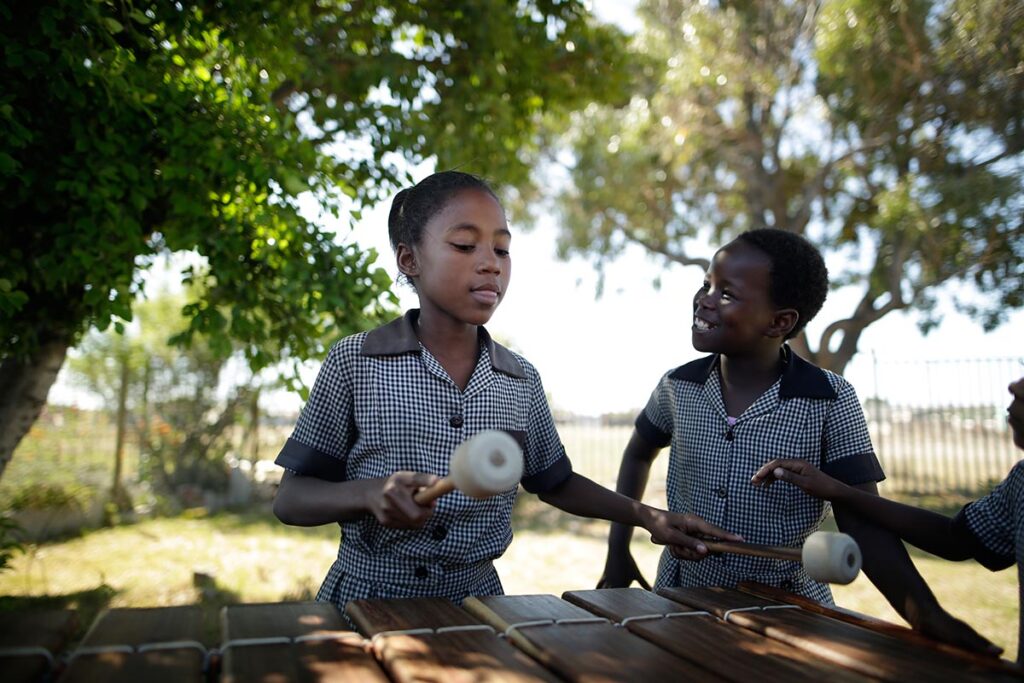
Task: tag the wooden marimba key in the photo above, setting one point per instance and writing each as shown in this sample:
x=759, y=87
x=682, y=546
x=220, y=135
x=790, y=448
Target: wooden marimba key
x=31, y=641
x=586, y=636
x=868, y=652
x=298, y=641
x=151, y=644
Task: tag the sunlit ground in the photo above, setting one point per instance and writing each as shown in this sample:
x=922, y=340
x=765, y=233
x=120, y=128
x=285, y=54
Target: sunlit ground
x=251, y=558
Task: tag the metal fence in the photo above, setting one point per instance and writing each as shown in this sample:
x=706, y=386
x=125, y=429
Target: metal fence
x=940, y=426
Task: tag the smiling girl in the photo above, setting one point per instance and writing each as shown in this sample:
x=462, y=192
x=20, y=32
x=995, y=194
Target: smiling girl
x=751, y=400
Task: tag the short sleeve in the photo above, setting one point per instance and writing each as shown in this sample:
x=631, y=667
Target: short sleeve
x=319, y=444
x=654, y=423
x=847, y=453
x=545, y=464
x=990, y=521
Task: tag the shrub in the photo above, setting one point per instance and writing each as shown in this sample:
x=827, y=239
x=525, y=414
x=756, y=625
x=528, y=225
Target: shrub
x=43, y=496
x=9, y=543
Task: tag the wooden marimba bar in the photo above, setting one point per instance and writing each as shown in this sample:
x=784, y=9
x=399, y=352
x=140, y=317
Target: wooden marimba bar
x=585, y=636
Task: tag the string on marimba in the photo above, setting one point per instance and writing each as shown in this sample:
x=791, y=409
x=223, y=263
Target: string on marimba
x=660, y=615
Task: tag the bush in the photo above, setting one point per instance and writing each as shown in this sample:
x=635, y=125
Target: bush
x=9, y=543
x=42, y=496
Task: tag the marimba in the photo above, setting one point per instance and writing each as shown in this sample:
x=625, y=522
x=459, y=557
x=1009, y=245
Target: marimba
x=585, y=636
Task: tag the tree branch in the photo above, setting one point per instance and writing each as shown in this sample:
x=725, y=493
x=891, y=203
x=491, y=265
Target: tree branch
x=663, y=249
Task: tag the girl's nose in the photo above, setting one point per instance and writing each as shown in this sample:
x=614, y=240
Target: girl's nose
x=489, y=261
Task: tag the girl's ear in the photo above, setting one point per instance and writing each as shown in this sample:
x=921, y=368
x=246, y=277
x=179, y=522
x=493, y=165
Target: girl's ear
x=407, y=263
x=783, y=322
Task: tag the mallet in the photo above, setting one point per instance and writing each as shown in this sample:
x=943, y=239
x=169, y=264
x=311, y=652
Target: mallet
x=827, y=556
x=483, y=465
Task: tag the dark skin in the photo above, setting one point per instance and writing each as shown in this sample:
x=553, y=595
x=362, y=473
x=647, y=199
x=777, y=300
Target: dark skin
x=461, y=269
x=735, y=317
x=924, y=529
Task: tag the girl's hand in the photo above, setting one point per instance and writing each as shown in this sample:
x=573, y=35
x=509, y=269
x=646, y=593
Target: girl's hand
x=944, y=627
x=799, y=473
x=393, y=505
x=683, y=532
x=620, y=571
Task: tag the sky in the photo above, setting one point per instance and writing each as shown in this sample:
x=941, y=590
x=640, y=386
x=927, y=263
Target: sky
x=606, y=355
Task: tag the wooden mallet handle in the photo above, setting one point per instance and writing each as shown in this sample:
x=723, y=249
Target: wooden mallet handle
x=435, y=490
x=775, y=552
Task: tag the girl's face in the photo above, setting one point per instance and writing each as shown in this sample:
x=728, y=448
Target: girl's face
x=462, y=267
x=732, y=311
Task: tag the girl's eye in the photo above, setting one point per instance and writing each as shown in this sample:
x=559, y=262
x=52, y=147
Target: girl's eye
x=463, y=247
x=501, y=252
x=727, y=294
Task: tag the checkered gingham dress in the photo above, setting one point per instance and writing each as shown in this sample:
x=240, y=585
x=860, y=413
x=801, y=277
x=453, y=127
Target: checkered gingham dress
x=808, y=413
x=382, y=403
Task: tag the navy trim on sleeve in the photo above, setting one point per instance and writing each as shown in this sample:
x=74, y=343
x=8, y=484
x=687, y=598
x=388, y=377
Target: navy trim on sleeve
x=855, y=469
x=650, y=432
x=988, y=559
x=549, y=479
x=309, y=462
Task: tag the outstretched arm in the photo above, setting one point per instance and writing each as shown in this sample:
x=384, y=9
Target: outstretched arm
x=889, y=567
x=927, y=530
x=581, y=496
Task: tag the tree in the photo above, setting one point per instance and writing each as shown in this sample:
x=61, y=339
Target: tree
x=111, y=365
x=170, y=398
x=129, y=130
x=888, y=133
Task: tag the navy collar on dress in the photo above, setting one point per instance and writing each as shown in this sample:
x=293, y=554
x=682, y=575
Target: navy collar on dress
x=799, y=377
x=399, y=336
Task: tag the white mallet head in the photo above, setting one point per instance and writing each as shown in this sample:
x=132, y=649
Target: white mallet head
x=486, y=464
x=831, y=557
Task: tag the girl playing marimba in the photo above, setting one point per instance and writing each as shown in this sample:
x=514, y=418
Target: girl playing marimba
x=754, y=396
x=390, y=406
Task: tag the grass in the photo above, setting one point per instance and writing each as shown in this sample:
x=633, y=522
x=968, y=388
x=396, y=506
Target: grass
x=228, y=558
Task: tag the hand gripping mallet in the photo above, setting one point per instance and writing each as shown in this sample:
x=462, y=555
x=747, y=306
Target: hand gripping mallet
x=483, y=465
x=827, y=556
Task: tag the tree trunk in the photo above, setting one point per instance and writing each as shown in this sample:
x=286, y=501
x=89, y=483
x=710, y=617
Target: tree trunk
x=117, y=493
x=26, y=385
x=254, y=427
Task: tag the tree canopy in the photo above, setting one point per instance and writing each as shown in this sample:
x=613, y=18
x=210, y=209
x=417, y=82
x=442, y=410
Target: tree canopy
x=129, y=130
x=891, y=134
